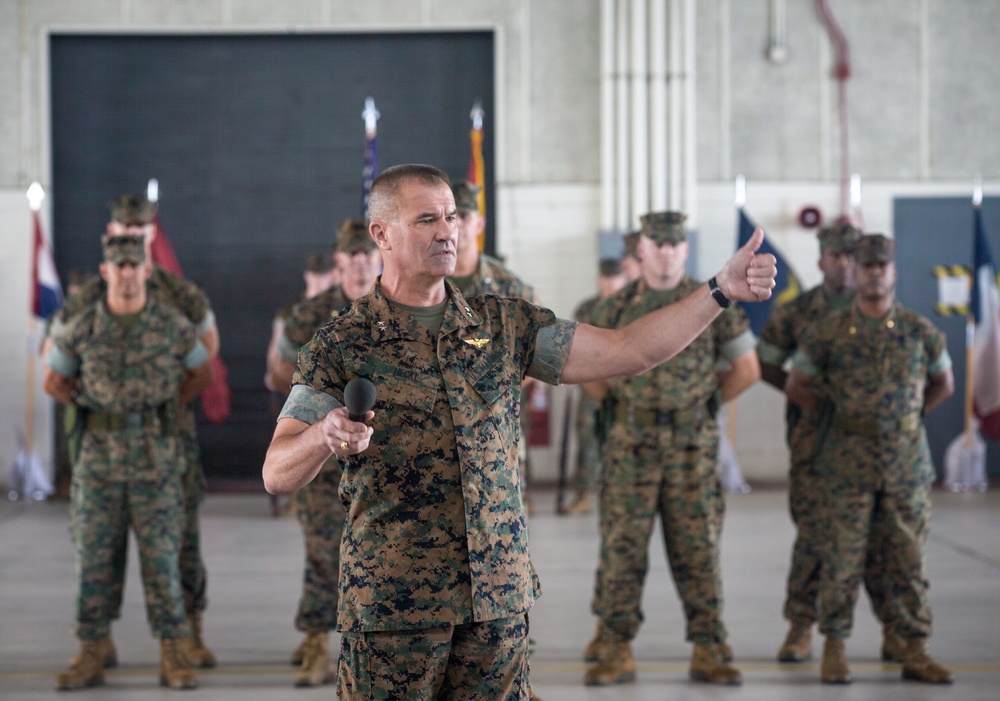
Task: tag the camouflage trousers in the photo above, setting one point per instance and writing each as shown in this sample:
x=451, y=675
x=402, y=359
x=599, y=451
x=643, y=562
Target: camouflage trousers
x=100, y=515
x=650, y=474
x=851, y=514
x=194, y=578
x=588, y=456
x=485, y=661
x=805, y=493
x=321, y=516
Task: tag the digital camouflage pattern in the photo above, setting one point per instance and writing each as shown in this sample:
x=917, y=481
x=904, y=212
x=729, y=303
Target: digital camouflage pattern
x=874, y=461
x=494, y=278
x=128, y=370
x=493, y=663
x=309, y=315
x=321, y=516
x=436, y=530
x=588, y=454
x=162, y=286
x=778, y=342
x=101, y=512
x=130, y=476
x=664, y=467
x=318, y=507
x=182, y=294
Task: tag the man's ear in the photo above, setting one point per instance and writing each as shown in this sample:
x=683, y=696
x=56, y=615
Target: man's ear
x=103, y=269
x=378, y=233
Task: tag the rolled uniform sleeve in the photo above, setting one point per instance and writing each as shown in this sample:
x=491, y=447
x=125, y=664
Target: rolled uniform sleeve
x=63, y=363
x=735, y=347
x=551, y=351
x=307, y=404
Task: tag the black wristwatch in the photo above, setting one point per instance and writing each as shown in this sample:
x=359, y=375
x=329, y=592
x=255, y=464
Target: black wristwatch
x=717, y=294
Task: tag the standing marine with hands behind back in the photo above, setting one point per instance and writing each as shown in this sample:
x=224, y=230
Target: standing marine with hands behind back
x=881, y=367
x=436, y=580
x=128, y=362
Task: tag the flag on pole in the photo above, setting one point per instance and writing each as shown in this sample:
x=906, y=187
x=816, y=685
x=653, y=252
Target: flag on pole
x=476, y=172
x=786, y=283
x=370, y=168
x=161, y=250
x=985, y=302
x=46, y=292
x=216, y=400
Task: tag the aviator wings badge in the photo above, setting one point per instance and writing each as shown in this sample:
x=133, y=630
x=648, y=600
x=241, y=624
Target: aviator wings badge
x=477, y=342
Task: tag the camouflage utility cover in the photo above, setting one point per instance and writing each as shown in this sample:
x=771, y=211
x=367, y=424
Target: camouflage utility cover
x=436, y=530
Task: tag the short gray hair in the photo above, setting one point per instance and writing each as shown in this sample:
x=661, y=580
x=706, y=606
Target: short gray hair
x=382, y=201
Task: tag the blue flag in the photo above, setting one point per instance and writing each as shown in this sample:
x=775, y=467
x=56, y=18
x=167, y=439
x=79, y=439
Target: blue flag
x=786, y=284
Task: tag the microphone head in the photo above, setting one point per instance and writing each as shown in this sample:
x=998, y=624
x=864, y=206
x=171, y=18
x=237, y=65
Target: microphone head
x=359, y=398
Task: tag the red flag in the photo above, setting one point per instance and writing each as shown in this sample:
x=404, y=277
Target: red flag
x=161, y=250
x=216, y=400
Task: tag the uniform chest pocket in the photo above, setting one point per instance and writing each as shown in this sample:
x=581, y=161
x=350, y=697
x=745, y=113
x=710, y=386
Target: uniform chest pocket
x=397, y=398
x=493, y=378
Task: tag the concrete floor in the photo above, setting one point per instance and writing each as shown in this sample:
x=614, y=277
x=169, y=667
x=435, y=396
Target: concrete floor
x=255, y=562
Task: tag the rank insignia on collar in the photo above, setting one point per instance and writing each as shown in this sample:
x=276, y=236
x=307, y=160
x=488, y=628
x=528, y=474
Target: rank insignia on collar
x=477, y=342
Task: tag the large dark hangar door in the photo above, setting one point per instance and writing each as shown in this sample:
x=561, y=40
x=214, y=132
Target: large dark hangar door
x=933, y=231
x=257, y=143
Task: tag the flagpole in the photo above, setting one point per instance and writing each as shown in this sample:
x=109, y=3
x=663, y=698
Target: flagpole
x=35, y=196
x=970, y=334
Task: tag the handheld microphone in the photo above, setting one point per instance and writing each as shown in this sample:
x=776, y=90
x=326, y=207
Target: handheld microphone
x=359, y=397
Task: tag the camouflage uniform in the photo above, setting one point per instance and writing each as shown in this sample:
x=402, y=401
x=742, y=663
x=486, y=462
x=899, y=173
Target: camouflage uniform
x=191, y=301
x=874, y=462
x=434, y=555
x=318, y=507
x=131, y=463
x=493, y=278
x=588, y=456
x=778, y=342
x=661, y=459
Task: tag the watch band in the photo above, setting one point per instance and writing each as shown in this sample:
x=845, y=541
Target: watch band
x=717, y=294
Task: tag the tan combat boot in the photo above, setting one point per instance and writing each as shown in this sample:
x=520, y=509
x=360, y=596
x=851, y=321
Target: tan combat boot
x=798, y=643
x=175, y=670
x=919, y=666
x=893, y=646
x=833, y=669
x=193, y=646
x=725, y=652
x=616, y=667
x=106, y=650
x=597, y=648
x=581, y=506
x=299, y=653
x=707, y=666
x=85, y=669
x=317, y=667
